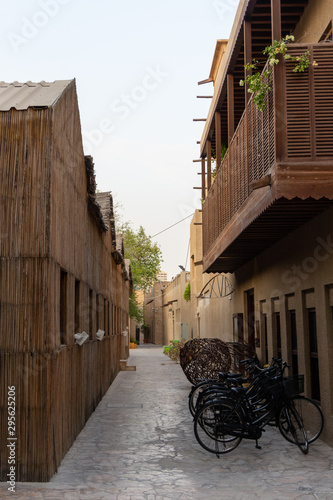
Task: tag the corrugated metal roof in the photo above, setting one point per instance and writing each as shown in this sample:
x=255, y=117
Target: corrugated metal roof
x=30, y=94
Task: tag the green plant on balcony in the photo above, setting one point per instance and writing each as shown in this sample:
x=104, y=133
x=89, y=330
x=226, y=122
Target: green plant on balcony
x=259, y=83
x=224, y=148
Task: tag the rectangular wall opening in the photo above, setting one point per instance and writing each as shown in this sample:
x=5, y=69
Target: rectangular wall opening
x=97, y=313
x=293, y=334
x=63, y=307
x=91, y=312
x=314, y=361
x=77, y=307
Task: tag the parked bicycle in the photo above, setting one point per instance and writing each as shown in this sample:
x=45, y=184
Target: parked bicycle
x=225, y=415
x=225, y=380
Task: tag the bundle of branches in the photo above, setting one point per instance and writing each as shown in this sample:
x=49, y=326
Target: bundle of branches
x=204, y=359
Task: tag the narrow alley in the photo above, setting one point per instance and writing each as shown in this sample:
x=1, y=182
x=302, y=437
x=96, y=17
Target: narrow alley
x=139, y=445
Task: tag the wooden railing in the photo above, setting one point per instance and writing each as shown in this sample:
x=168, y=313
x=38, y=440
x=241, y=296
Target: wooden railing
x=296, y=126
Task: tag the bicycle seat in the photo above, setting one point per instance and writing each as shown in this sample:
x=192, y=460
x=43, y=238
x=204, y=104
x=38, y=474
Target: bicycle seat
x=239, y=390
x=225, y=375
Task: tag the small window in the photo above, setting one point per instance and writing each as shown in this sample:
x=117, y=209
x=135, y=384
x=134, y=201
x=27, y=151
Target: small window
x=238, y=331
x=265, y=338
x=278, y=334
x=314, y=360
x=106, y=317
x=294, y=350
x=109, y=318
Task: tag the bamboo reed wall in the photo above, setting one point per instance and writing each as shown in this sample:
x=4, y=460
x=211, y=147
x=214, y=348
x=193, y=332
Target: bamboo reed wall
x=46, y=228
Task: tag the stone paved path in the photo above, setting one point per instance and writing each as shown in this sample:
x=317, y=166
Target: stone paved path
x=139, y=445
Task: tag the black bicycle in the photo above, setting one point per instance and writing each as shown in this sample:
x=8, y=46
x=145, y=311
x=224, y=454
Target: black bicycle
x=224, y=418
x=225, y=380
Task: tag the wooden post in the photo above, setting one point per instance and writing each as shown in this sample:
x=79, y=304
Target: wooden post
x=231, y=107
x=218, y=139
x=247, y=59
x=276, y=19
x=280, y=128
x=209, y=164
x=247, y=55
x=203, y=179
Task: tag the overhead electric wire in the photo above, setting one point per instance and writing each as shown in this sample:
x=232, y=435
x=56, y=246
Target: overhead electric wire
x=175, y=224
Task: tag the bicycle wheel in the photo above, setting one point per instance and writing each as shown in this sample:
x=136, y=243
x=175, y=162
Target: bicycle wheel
x=293, y=422
x=218, y=427
x=311, y=415
x=194, y=394
x=212, y=394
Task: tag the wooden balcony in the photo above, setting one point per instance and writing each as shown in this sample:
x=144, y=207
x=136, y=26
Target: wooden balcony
x=278, y=170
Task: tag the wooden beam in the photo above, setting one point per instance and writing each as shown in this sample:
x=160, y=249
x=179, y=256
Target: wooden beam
x=231, y=107
x=208, y=80
x=199, y=119
x=203, y=178
x=218, y=139
x=276, y=19
x=204, y=97
x=264, y=181
x=209, y=164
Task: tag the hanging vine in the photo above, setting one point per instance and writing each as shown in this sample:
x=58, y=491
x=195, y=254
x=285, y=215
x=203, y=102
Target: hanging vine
x=259, y=83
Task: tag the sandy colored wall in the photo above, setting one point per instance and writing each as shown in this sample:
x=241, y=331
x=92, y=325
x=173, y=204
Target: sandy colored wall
x=314, y=21
x=295, y=274
x=176, y=310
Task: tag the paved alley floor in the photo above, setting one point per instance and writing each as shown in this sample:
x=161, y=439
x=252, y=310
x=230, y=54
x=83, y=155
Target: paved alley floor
x=139, y=445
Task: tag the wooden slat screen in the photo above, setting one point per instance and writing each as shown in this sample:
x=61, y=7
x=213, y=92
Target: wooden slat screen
x=309, y=104
x=323, y=95
x=298, y=108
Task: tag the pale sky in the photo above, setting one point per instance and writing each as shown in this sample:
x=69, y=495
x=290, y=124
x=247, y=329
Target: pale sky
x=136, y=64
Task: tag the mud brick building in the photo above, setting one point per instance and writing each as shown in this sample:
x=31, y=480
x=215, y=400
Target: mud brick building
x=267, y=214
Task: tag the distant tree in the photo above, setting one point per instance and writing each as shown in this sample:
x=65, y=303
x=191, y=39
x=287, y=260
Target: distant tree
x=135, y=310
x=145, y=257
